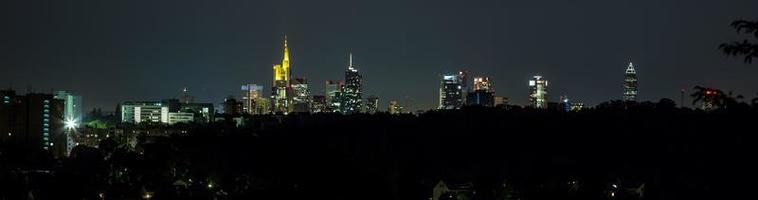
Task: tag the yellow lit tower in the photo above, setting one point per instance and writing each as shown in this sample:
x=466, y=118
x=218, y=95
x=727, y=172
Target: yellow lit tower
x=280, y=93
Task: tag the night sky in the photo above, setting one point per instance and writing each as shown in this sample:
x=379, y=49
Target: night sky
x=120, y=50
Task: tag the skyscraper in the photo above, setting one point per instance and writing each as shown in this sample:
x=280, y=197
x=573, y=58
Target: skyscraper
x=483, y=94
x=301, y=97
x=451, y=94
x=232, y=107
x=351, y=93
x=538, y=92
x=318, y=104
x=372, y=104
x=281, y=91
x=630, y=83
x=333, y=93
x=395, y=108
x=253, y=101
x=482, y=83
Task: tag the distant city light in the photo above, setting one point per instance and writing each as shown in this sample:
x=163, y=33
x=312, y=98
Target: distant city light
x=70, y=124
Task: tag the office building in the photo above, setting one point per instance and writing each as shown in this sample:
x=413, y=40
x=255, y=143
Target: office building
x=333, y=93
x=395, y=108
x=630, y=83
x=353, y=89
x=33, y=120
x=450, y=92
x=372, y=104
x=319, y=104
x=301, y=98
x=253, y=101
x=281, y=92
x=538, y=92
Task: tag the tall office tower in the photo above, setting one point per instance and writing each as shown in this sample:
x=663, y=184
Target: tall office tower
x=482, y=83
x=630, y=83
x=483, y=94
x=351, y=93
x=34, y=120
x=281, y=90
x=480, y=98
x=253, y=101
x=232, y=107
x=333, y=93
x=372, y=104
x=301, y=96
x=395, y=108
x=451, y=94
x=72, y=117
x=318, y=104
x=538, y=92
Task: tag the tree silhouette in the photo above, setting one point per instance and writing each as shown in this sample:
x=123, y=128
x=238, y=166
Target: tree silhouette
x=746, y=47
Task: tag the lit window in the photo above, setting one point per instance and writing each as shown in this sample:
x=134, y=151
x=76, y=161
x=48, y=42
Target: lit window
x=47, y=101
x=47, y=106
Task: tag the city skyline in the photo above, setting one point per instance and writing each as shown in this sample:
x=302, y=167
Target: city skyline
x=108, y=65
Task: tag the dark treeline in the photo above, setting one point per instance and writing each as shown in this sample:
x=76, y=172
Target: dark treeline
x=667, y=152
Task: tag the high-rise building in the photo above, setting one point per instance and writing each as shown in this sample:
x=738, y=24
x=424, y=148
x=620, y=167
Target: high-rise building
x=480, y=98
x=372, y=104
x=33, y=120
x=319, y=104
x=72, y=117
x=301, y=96
x=333, y=93
x=538, y=92
x=482, y=83
x=232, y=107
x=353, y=89
x=253, y=101
x=281, y=90
x=451, y=94
x=630, y=83
x=395, y=108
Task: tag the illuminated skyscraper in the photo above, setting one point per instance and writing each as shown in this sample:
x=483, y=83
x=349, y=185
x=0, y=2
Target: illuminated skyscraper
x=451, y=94
x=630, y=83
x=253, y=101
x=333, y=93
x=372, y=104
x=395, y=108
x=538, y=92
x=318, y=104
x=351, y=93
x=483, y=94
x=281, y=91
x=232, y=107
x=301, y=98
x=482, y=83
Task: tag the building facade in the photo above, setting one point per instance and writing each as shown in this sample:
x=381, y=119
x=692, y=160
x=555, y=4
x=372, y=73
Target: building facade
x=301, y=97
x=333, y=94
x=395, y=108
x=34, y=120
x=281, y=92
x=253, y=100
x=372, y=104
x=630, y=83
x=451, y=92
x=353, y=90
x=538, y=92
